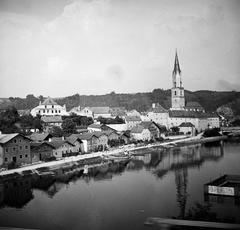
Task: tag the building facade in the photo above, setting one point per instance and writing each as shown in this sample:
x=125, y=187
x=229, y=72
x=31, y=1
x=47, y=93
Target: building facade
x=49, y=108
x=14, y=148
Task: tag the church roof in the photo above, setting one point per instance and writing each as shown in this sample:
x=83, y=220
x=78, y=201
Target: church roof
x=176, y=68
x=49, y=101
x=193, y=104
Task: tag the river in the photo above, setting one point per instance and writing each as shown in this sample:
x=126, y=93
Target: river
x=162, y=183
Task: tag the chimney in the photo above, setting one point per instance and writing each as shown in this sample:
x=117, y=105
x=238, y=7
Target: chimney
x=153, y=105
x=63, y=138
x=50, y=139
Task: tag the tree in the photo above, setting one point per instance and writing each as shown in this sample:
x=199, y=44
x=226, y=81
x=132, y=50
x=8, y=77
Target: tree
x=9, y=120
x=68, y=126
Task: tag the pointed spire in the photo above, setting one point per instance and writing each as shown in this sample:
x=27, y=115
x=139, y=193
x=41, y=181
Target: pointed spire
x=176, y=65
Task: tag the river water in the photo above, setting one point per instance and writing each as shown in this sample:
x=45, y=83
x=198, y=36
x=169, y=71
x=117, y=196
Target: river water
x=163, y=183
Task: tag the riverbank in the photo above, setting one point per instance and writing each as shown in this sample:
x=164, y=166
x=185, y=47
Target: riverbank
x=188, y=140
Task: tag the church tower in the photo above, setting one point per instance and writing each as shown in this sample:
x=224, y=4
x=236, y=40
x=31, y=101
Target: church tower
x=177, y=91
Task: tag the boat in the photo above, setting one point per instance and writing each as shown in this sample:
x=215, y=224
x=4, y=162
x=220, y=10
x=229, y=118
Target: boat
x=226, y=185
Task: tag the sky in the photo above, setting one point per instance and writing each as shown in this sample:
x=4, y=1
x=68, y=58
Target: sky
x=62, y=47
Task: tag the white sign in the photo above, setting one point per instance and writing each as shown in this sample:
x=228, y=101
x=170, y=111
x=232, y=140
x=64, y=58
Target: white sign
x=229, y=191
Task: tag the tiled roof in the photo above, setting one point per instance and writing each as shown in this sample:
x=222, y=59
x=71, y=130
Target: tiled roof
x=96, y=126
x=57, y=144
x=4, y=138
x=85, y=136
x=39, y=136
x=186, y=124
x=193, y=104
x=100, y=110
x=37, y=144
x=51, y=119
x=137, y=129
x=49, y=101
x=73, y=139
x=132, y=118
x=158, y=109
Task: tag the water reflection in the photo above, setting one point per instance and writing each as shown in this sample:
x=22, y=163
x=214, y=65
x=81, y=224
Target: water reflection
x=17, y=191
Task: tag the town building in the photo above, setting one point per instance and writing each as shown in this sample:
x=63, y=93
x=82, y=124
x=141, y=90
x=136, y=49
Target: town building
x=132, y=121
x=101, y=111
x=140, y=133
x=62, y=148
x=49, y=108
x=40, y=137
x=41, y=151
x=86, y=111
x=50, y=121
x=153, y=128
x=191, y=112
x=14, y=148
x=187, y=128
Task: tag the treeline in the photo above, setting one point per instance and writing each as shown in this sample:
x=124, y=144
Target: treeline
x=11, y=122
x=210, y=100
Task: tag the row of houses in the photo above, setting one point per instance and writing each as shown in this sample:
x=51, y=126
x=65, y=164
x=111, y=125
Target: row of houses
x=19, y=149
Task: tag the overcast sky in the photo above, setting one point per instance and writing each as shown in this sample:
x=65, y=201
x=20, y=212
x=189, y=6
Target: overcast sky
x=63, y=47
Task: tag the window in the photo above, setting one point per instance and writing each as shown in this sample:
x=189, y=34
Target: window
x=20, y=140
x=47, y=111
x=26, y=155
x=20, y=156
x=55, y=111
x=44, y=111
x=52, y=106
x=45, y=106
x=6, y=159
x=175, y=93
x=13, y=148
x=52, y=111
x=20, y=147
x=26, y=147
x=59, y=111
x=6, y=150
x=15, y=141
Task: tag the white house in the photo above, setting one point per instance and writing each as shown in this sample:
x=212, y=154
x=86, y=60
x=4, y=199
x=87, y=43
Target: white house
x=49, y=108
x=139, y=132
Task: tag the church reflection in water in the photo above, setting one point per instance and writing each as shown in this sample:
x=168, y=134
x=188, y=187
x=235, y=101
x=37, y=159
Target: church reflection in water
x=17, y=191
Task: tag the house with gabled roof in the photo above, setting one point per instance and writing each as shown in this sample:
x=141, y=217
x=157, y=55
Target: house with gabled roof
x=62, y=148
x=153, y=127
x=140, y=133
x=41, y=151
x=187, y=128
x=14, y=148
x=40, y=137
x=49, y=108
x=132, y=121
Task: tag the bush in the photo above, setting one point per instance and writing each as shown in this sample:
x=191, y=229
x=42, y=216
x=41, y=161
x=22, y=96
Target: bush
x=211, y=132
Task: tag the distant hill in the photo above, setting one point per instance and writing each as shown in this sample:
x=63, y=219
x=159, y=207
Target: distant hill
x=210, y=100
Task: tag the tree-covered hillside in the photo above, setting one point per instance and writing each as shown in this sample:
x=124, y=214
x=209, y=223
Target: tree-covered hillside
x=210, y=100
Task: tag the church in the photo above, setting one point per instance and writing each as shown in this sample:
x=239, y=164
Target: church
x=181, y=113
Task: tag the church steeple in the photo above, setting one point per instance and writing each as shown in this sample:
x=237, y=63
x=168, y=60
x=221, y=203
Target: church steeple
x=176, y=65
x=178, y=100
